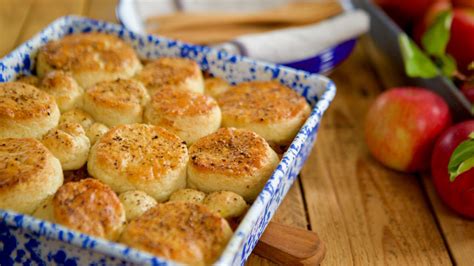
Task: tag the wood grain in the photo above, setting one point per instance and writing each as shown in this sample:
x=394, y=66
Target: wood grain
x=46, y=11
x=364, y=213
x=255, y=260
x=101, y=9
x=13, y=14
x=458, y=232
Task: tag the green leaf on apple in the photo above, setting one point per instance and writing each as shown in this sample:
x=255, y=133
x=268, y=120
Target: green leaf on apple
x=417, y=63
x=436, y=38
x=462, y=158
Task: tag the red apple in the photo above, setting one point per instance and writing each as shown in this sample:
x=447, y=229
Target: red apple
x=461, y=42
x=457, y=193
x=402, y=126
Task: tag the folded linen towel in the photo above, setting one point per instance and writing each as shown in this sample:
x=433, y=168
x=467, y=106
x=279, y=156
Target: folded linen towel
x=298, y=43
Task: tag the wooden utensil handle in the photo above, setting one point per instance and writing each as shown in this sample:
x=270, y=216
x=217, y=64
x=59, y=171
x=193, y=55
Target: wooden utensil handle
x=294, y=13
x=290, y=245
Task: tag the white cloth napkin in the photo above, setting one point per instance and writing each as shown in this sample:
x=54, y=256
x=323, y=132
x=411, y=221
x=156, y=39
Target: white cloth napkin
x=294, y=44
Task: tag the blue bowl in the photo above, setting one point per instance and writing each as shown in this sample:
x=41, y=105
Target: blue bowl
x=133, y=13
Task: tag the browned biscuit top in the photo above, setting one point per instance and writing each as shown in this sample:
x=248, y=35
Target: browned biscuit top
x=180, y=102
x=22, y=101
x=229, y=151
x=58, y=79
x=261, y=102
x=140, y=152
x=89, y=206
x=182, y=231
x=89, y=51
x=121, y=93
x=20, y=161
x=167, y=71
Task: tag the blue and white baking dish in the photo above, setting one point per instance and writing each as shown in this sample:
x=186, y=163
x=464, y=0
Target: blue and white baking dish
x=132, y=14
x=24, y=239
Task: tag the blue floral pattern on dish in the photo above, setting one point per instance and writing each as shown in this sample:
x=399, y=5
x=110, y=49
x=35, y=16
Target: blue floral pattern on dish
x=27, y=240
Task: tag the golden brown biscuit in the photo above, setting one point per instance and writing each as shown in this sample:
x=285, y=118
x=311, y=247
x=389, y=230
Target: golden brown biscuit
x=175, y=72
x=29, y=173
x=268, y=108
x=88, y=206
x=189, y=195
x=187, y=114
x=136, y=203
x=140, y=157
x=182, y=231
x=215, y=86
x=231, y=159
x=62, y=86
x=116, y=102
x=77, y=116
x=69, y=143
x=25, y=111
x=90, y=57
x=226, y=203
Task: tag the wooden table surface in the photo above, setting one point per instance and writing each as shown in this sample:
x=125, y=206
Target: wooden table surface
x=364, y=213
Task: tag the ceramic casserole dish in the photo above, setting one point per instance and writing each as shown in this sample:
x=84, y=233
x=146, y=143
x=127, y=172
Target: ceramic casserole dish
x=25, y=239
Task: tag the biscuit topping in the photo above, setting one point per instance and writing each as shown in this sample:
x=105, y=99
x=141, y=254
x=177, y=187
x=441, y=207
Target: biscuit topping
x=22, y=101
x=20, y=160
x=90, y=51
x=229, y=151
x=89, y=206
x=167, y=71
x=140, y=152
x=261, y=101
x=180, y=102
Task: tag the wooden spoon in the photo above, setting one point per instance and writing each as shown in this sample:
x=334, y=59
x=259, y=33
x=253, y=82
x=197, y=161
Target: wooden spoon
x=198, y=27
x=289, y=245
x=294, y=13
x=214, y=35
